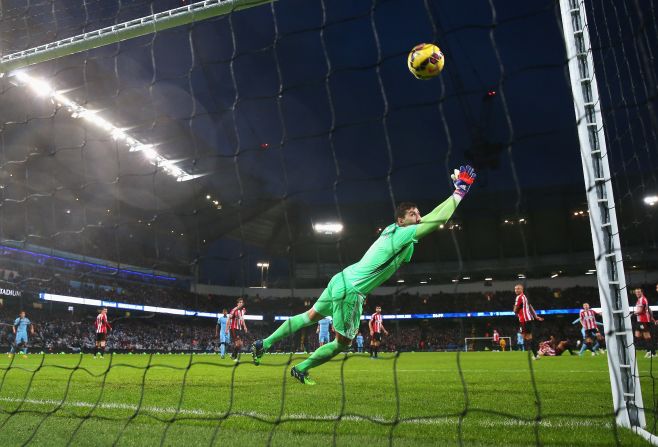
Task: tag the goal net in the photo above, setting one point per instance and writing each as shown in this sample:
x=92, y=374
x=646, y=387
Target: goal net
x=490, y=344
x=161, y=159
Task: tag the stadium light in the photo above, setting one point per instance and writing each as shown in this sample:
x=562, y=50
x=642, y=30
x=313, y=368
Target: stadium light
x=263, y=266
x=400, y=281
x=555, y=275
x=328, y=227
x=651, y=200
x=488, y=279
x=42, y=88
x=466, y=278
x=520, y=276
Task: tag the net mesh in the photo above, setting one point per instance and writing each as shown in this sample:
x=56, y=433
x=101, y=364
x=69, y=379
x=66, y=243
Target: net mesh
x=628, y=105
x=284, y=116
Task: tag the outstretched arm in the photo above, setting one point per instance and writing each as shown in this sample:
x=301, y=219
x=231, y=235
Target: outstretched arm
x=463, y=178
x=437, y=217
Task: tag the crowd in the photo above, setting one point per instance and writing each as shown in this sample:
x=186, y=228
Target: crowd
x=59, y=330
x=82, y=280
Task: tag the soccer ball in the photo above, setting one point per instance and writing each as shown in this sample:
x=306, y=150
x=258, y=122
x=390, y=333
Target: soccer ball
x=425, y=61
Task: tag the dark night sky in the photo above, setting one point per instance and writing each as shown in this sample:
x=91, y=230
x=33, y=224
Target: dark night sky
x=324, y=85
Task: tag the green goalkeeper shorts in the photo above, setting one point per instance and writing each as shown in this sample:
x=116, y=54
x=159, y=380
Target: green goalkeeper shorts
x=344, y=304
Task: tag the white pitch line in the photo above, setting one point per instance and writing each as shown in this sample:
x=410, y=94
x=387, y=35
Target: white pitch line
x=473, y=420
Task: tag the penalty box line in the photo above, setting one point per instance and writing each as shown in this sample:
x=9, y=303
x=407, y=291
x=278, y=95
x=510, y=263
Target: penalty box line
x=302, y=417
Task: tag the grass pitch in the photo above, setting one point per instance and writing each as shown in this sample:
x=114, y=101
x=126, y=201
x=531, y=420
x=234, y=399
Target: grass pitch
x=144, y=400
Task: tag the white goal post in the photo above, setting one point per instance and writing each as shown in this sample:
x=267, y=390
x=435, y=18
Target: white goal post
x=622, y=366
x=508, y=346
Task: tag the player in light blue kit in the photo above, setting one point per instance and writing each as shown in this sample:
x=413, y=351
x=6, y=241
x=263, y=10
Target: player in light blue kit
x=220, y=330
x=324, y=327
x=520, y=341
x=359, y=342
x=20, y=333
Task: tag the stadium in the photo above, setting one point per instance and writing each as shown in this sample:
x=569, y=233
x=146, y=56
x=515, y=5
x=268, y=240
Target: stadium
x=413, y=223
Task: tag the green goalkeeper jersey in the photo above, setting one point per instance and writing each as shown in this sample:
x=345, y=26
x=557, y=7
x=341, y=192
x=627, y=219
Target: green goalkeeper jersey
x=394, y=246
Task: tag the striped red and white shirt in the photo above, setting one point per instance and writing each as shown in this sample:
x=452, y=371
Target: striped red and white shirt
x=376, y=323
x=101, y=324
x=525, y=312
x=496, y=336
x=588, y=319
x=645, y=312
x=237, y=318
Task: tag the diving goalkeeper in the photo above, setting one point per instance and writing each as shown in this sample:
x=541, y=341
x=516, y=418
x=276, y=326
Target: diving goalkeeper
x=346, y=292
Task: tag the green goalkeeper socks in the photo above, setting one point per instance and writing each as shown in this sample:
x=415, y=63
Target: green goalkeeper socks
x=322, y=355
x=288, y=328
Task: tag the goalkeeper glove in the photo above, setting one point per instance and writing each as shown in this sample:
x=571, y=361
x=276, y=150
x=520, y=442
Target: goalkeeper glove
x=463, y=178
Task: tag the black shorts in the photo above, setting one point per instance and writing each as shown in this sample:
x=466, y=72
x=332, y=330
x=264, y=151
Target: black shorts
x=377, y=336
x=528, y=327
x=100, y=336
x=236, y=334
x=591, y=333
x=642, y=327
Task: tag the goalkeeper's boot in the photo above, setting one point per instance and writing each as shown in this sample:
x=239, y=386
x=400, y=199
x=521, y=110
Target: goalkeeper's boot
x=257, y=351
x=301, y=376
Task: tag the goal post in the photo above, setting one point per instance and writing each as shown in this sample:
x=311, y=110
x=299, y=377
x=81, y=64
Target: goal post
x=622, y=365
x=171, y=18
x=485, y=342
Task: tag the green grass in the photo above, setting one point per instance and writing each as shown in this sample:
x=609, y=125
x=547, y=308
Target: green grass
x=144, y=400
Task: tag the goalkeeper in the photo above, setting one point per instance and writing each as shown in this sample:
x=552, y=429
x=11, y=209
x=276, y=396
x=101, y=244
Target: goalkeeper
x=346, y=292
